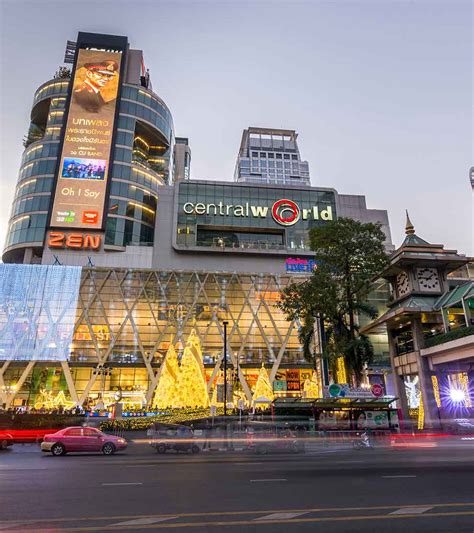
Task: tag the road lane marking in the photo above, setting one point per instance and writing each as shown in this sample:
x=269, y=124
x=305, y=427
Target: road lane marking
x=238, y=513
x=118, y=484
x=395, y=477
x=278, y=516
x=8, y=525
x=267, y=480
x=247, y=522
x=411, y=510
x=143, y=521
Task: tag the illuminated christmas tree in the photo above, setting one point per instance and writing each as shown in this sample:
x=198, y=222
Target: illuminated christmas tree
x=165, y=392
x=310, y=387
x=263, y=387
x=191, y=389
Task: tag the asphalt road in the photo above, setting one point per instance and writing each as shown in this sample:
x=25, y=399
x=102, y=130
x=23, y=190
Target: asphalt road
x=430, y=490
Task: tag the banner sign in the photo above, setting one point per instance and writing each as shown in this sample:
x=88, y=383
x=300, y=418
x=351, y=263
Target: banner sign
x=295, y=264
x=342, y=390
x=85, y=162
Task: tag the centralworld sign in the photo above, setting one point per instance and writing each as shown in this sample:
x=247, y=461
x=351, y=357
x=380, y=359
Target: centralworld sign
x=283, y=211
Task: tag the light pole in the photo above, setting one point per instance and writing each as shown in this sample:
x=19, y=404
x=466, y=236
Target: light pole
x=225, y=366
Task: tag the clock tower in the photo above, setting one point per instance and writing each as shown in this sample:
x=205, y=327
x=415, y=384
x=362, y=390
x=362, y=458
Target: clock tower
x=418, y=275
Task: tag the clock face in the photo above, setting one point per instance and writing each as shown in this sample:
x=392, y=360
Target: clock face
x=403, y=284
x=428, y=279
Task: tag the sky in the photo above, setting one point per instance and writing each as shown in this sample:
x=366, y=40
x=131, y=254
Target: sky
x=379, y=91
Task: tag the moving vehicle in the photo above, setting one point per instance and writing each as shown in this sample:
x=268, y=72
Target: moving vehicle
x=363, y=442
x=6, y=440
x=263, y=441
x=164, y=437
x=82, y=439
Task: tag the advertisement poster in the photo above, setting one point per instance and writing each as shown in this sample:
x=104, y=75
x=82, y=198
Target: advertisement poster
x=85, y=160
x=293, y=382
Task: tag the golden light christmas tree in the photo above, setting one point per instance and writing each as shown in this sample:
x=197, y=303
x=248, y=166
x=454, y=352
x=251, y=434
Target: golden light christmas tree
x=263, y=387
x=165, y=392
x=311, y=387
x=191, y=389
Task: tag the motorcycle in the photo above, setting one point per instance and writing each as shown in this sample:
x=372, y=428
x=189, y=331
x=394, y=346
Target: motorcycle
x=363, y=443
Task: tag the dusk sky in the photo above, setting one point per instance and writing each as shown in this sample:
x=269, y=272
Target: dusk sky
x=380, y=92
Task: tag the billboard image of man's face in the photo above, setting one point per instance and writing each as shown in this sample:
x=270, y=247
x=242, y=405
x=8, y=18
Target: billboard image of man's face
x=88, y=90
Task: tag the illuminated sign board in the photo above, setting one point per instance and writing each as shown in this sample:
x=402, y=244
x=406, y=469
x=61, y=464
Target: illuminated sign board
x=293, y=264
x=74, y=240
x=85, y=161
x=247, y=217
x=284, y=212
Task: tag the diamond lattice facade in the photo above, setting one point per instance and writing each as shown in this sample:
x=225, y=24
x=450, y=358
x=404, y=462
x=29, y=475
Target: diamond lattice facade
x=127, y=319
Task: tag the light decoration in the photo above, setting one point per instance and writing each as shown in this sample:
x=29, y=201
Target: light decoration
x=311, y=387
x=434, y=380
x=263, y=392
x=341, y=374
x=165, y=393
x=191, y=389
x=214, y=401
x=457, y=395
x=421, y=414
x=50, y=401
x=459, y=390
x=142, y=207
x=464, y=382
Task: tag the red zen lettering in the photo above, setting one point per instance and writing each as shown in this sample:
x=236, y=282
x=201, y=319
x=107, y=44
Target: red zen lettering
x=75, y=241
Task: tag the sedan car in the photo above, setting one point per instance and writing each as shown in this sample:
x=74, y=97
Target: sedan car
x=6, y=440
x=79, y=439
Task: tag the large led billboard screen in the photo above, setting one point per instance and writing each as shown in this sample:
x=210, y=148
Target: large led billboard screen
x=86, y=153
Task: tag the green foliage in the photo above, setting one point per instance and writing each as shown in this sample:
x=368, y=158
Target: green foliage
x=457, y=333
x=349, y=255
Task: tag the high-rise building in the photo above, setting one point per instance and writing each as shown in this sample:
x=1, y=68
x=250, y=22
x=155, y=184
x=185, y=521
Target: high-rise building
x=269, y=155
x=136, y=258
x=182, y=159
x=99, y=146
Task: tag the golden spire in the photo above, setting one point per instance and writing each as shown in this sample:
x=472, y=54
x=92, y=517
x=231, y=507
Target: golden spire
x=409, y=227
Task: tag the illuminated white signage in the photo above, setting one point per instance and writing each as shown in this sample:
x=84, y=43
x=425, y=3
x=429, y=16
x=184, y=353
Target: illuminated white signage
x=285, y=212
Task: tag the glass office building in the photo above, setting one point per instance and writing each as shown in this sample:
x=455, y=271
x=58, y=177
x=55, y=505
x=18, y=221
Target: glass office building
x=270, y=156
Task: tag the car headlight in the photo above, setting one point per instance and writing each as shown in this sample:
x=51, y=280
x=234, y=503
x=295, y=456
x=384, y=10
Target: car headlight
x=122, y=441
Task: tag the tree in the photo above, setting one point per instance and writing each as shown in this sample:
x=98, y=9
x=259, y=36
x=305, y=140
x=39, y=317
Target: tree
x=263, y=387
x=349, y=254
x=191, y=388
x=165, y=393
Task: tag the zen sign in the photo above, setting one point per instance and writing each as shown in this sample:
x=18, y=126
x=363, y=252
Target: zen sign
x=74, y=240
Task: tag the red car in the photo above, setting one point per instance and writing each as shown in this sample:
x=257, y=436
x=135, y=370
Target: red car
x=6, y=440
x=79, y=439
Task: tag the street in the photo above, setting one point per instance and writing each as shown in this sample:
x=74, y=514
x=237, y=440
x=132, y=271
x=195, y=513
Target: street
x=421, y=489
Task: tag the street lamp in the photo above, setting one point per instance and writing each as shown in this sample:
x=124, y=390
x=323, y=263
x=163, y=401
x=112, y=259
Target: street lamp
x=104, y=372
x=225, y=322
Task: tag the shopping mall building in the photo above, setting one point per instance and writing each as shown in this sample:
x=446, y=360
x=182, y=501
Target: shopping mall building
x=113, y=254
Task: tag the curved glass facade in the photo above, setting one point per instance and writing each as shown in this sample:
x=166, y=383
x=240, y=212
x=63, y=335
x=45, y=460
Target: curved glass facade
x=142, y=164
x=143, y=150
